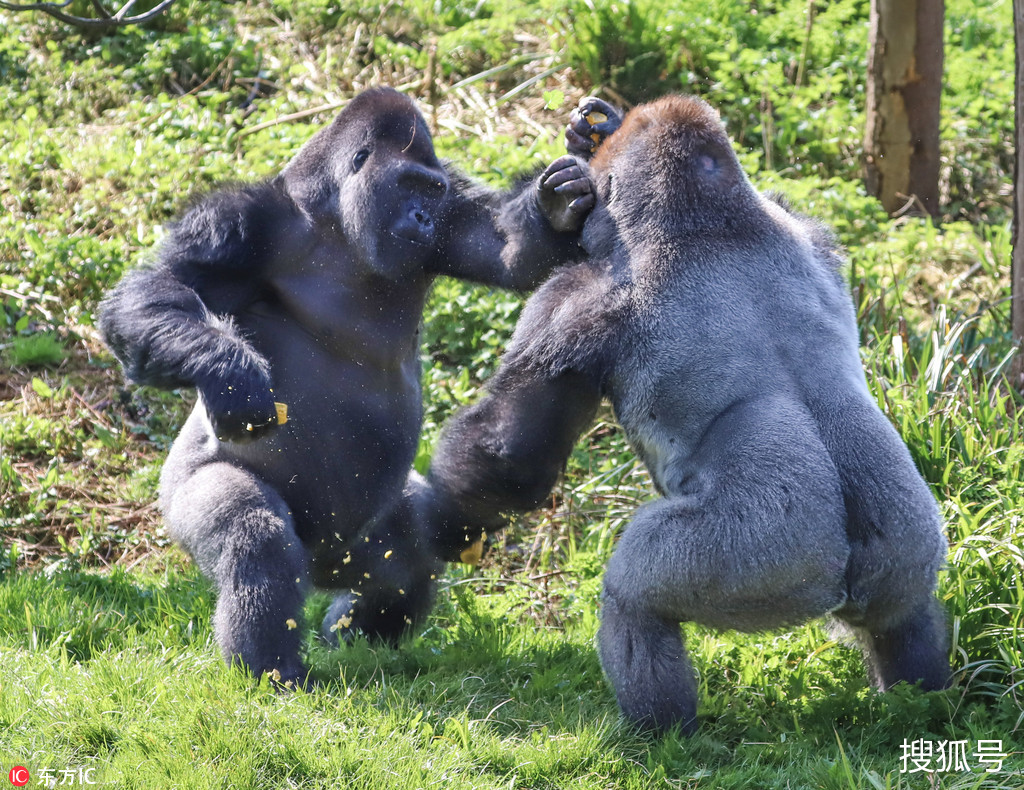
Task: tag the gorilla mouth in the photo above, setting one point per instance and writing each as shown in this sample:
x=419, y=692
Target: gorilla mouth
x=416, y=226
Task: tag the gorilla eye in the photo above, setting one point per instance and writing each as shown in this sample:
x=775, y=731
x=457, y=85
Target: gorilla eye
x=360, y=159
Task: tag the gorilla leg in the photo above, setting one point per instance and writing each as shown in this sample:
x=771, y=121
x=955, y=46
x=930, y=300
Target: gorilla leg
x=240, y=534
x=646, y=663
x=751, y=536
x=896, y=549
x=391, y=574
x=914, y=649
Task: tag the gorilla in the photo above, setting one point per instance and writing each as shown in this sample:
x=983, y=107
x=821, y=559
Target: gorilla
x=307, y=291
x=717, y=323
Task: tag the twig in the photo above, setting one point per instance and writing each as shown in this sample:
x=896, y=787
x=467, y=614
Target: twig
x=104, y=22
x=295, y=116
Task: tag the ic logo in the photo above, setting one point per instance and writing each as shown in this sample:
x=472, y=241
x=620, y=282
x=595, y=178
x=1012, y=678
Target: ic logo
x=18, y=776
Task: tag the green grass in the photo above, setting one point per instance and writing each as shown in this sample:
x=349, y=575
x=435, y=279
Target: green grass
x=106, y=654
x=118, y=671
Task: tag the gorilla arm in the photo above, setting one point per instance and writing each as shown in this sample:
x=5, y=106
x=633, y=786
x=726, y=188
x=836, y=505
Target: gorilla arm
x=504, y=453
x=514, y=239
x=169, y=323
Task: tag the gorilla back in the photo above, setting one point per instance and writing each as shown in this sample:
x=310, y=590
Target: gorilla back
x=717, y=323
x=308, y=289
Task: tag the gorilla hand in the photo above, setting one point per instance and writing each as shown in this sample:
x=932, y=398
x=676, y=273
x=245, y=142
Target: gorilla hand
x=586, y=130
x=240, y=408
x=566, y=194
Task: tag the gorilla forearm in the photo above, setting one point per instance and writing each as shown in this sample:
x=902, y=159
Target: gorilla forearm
x=166, y=337
x=515, y=239
x=533, y=248
x=504, y=454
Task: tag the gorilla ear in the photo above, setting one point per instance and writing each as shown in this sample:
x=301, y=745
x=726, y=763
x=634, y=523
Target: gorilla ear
x=707, y=163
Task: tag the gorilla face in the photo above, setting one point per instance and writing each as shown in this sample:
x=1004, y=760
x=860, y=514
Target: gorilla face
x=383, y=186
x=390, y=190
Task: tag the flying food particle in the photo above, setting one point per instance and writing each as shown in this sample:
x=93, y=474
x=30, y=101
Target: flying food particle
x=343, y=622
x=472, y=554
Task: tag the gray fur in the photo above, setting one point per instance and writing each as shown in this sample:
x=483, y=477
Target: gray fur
x=715, y=321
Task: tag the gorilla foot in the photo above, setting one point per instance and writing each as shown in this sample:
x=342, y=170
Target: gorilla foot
x=339, y=621
x=914, y=650
x=379, y=616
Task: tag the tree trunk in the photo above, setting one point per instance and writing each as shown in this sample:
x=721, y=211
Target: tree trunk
x=1017, y=269
x=904, y=92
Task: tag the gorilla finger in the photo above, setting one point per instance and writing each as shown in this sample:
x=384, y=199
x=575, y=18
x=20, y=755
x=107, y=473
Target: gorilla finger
x=591, y=104
x=561, y=163
x=578, y=123
x=583, y=203
x=605, y=128
x=578, y=141
x=259, y=431
x=578, y=186
x=560, y=177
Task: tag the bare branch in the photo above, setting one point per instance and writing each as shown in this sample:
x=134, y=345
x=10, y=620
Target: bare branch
x=104, y=21
x=124, y=9
x=100, y=9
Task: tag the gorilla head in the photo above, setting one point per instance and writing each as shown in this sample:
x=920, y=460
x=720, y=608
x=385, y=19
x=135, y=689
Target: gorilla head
x=373, y=176
x=676, y=183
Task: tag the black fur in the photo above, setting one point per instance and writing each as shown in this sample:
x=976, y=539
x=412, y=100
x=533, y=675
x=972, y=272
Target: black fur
x=308, y=289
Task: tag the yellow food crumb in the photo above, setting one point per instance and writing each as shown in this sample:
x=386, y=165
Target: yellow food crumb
x=595, y=117
x=343, y=622
x=471, y=554
x=388, y=553
x=292, y=625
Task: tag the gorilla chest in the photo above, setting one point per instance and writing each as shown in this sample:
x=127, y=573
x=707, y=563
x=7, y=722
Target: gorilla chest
x=354, y=411
x=338, y=462
x=374, y=324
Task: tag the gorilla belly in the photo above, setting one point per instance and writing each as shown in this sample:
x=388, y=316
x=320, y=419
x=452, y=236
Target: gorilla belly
x=337, y=463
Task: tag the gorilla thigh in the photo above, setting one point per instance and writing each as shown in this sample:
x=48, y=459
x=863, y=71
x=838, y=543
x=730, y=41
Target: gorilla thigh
x=752, y=537
x=241, y=534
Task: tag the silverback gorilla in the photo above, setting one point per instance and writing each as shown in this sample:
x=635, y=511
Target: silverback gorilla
x=717, y=323
x=308, y=289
